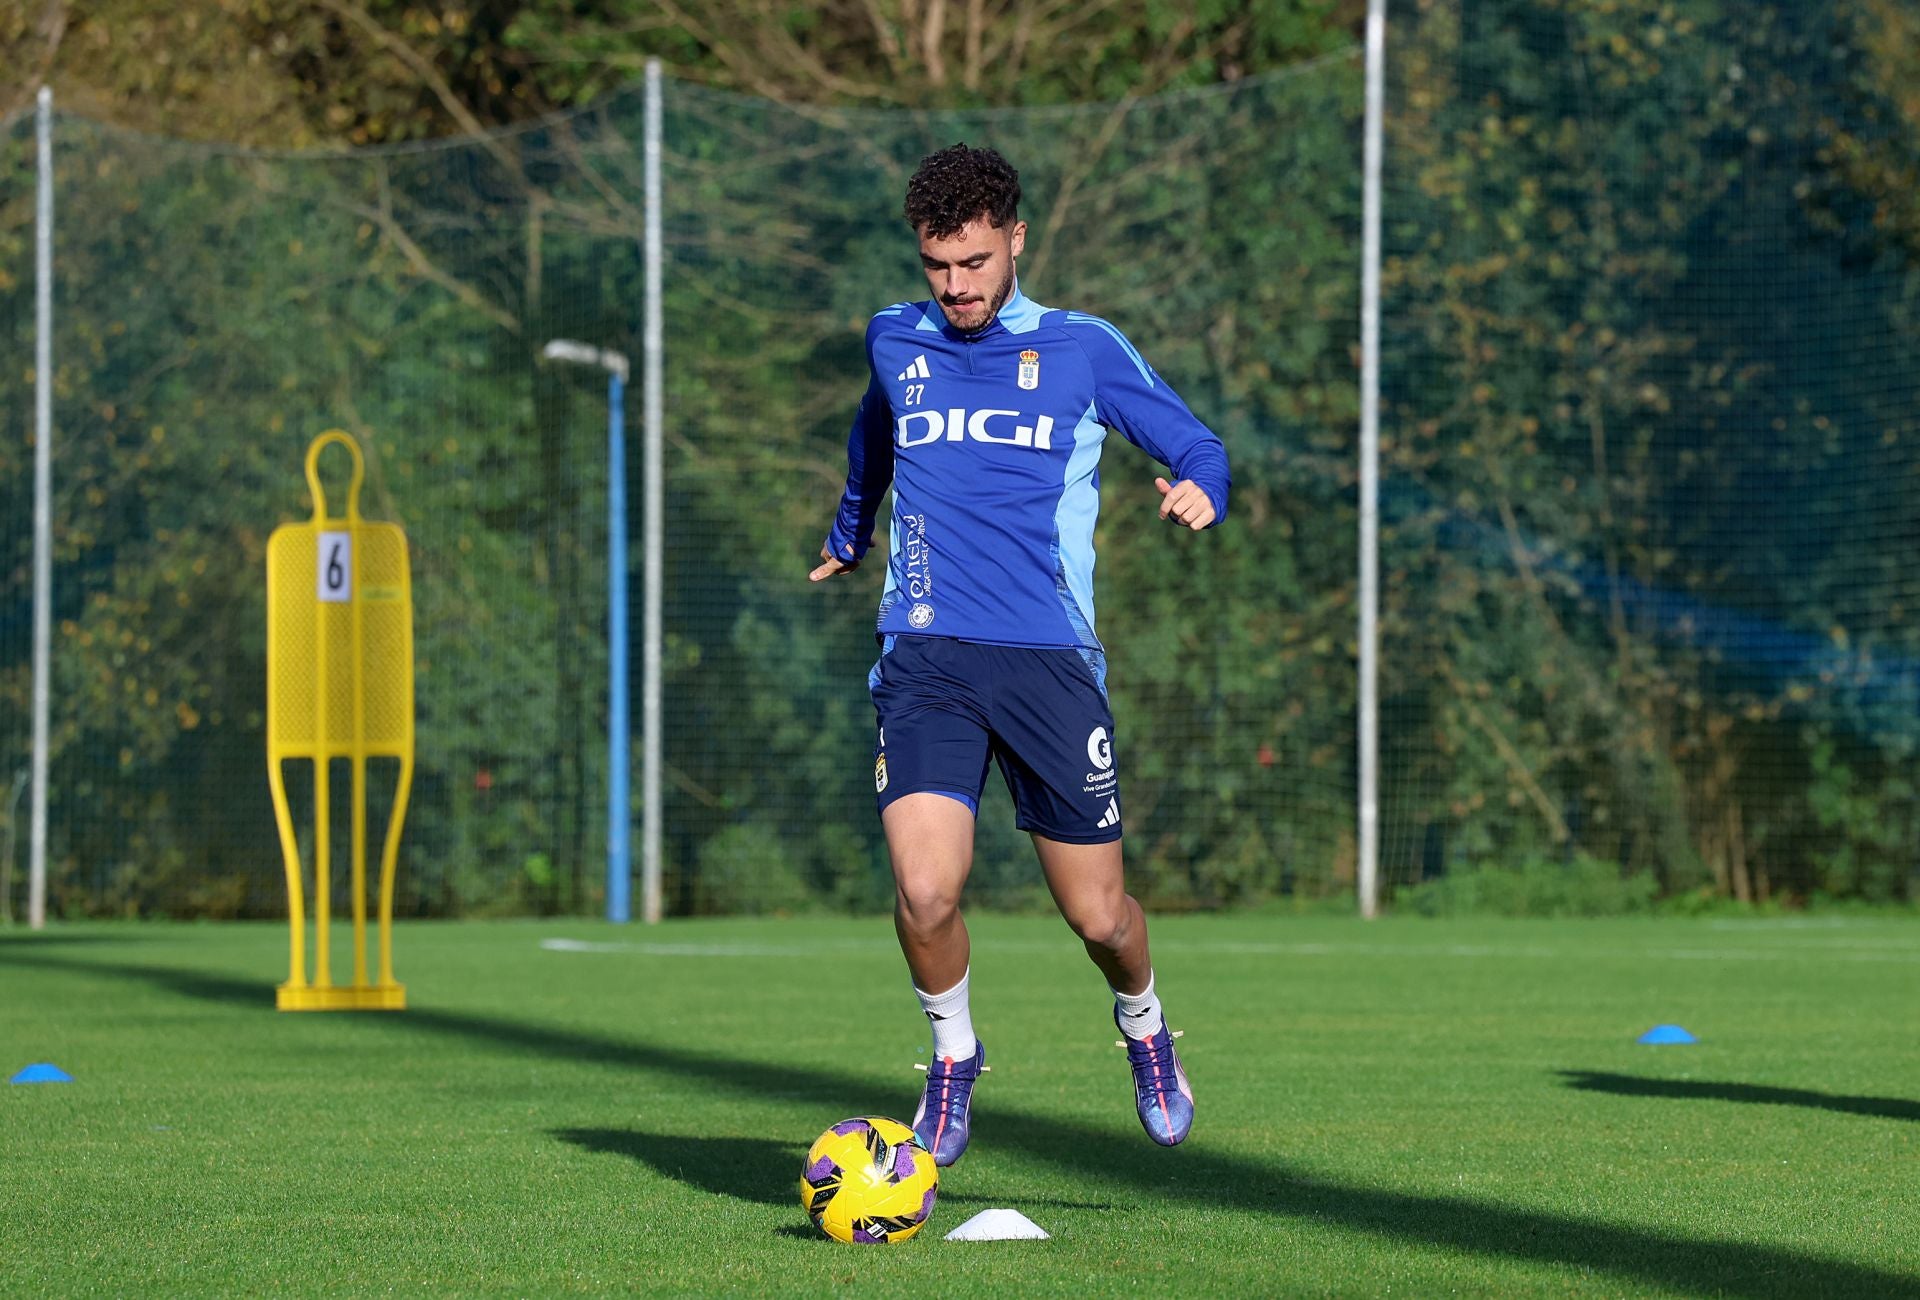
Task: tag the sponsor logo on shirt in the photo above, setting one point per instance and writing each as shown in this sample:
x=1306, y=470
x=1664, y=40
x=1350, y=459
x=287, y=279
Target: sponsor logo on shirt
x=917, y=559
x=920, y=615
x=957, y=424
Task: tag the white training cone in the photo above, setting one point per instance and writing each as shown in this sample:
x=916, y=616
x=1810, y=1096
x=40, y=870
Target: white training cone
x=998, y=1225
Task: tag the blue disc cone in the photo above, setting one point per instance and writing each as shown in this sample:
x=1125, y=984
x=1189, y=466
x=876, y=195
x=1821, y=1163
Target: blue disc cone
x=41, y=1072
x=1667, y=1034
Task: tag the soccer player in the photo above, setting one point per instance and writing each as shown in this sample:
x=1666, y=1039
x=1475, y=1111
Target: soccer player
x=985, y=412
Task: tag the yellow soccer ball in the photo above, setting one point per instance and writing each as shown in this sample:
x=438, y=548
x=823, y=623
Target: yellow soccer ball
x=868, y=1181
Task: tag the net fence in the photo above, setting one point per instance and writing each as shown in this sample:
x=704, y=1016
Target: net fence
x=216, y=309
x=1653, y=388
x=1649, y=483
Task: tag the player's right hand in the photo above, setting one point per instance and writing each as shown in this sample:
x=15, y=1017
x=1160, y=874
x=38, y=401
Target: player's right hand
x=834, y=564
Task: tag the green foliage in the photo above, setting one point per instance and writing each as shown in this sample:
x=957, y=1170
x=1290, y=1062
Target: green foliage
x=1581, y=887
x=403, y=296
x=746, y=870
x=898, y=53
x=1871, y=829
x=1649, y=414
x=278, y=73
x=1633, y=579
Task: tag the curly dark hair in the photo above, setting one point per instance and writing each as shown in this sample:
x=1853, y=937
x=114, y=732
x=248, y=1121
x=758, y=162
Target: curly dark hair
x=957, y=185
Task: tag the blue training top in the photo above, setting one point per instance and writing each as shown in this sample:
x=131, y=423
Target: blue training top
x=991, y=440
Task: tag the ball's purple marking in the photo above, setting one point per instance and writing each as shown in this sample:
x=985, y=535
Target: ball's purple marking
x=902, y=1162
x=847, y=1126
x=820, y=1169
x=926, y=1204
x=864, y=1238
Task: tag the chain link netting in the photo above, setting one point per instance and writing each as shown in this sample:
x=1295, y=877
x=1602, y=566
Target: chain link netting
x=1649, y=485
x=216, y=309
x=1652, y=389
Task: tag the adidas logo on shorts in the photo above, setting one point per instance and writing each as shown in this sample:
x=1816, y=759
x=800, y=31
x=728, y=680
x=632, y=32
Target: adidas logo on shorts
x=1112, y=816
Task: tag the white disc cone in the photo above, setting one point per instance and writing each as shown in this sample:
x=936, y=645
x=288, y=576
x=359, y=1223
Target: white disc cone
x=998, y=1225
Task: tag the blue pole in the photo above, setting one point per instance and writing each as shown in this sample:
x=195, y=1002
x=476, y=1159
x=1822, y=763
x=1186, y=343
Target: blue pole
x=619, y=730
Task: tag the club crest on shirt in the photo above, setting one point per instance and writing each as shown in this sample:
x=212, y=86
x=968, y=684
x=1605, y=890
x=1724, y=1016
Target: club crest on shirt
x=1029, y=369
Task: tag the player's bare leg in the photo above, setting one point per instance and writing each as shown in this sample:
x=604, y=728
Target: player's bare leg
x=1086, y=881
x=930, y=839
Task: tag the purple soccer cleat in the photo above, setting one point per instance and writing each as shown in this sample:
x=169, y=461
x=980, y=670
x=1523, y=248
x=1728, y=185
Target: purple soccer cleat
x=946, y=1107
x=1160, y=1091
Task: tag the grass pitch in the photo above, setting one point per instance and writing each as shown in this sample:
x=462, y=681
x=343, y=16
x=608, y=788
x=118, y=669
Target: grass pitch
x=1408, y=1107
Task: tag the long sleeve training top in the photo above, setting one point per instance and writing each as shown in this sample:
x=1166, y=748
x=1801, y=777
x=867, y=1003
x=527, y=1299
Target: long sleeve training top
x=991, y=443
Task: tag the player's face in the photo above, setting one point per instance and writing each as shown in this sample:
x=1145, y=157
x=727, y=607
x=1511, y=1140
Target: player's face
x=971, y=272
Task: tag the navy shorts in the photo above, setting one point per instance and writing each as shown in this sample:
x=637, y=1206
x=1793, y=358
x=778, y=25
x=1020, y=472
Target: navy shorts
x=946, y=707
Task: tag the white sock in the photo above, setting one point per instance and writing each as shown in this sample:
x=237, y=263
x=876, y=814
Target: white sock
x=1140, y=1015
x=952, y=1020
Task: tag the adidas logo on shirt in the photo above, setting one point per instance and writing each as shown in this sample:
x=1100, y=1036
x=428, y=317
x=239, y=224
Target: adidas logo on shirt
x=918, y=370
x=1112, y=817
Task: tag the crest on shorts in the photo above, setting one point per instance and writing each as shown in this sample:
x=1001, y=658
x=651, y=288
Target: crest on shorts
x=1029, y=369
x=880, y=774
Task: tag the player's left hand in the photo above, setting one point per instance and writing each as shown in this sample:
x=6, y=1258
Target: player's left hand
x=1185, y=502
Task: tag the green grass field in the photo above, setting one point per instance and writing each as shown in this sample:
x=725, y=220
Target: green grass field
x=1410, y=1107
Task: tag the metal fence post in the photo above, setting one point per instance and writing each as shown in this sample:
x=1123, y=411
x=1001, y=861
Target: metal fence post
x=651, y=350
x=1369, y=667
x=42, y=513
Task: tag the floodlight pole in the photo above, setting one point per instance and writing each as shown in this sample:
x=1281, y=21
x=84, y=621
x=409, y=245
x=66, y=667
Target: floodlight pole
x=619, y=733
x=1368, y=831
x=42, y=513
x=619, y=728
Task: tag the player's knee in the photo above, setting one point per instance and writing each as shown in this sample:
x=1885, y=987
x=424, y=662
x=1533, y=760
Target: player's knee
x=1102, y=926
x=926, y=906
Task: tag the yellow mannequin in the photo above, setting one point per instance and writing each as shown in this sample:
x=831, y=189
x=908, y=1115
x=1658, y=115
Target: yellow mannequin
x=339, y=685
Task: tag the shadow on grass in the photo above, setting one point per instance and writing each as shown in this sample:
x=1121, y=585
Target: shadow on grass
x=1194, y=1174
x=49, y=952
x=18, y=935
x=1632, y=1085
x=747, y=1169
